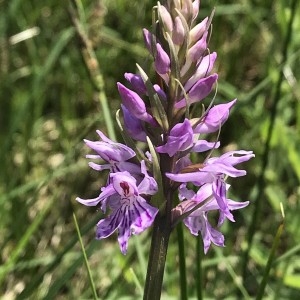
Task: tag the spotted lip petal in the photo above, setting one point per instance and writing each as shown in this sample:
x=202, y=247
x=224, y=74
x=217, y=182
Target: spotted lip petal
x=131, y=213
x=128, y=220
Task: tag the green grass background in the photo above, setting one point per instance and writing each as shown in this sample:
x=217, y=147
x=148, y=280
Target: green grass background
x=48, y=104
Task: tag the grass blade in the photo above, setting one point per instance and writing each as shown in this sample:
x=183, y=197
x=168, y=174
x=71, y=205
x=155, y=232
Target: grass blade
x=85, y=259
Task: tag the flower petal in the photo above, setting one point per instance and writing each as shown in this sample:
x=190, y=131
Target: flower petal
x=109, y=225
x=148, y=185
x=134, y=103
x=199, y=91
x=142, y=216
x=215, y=118
x=180, y=138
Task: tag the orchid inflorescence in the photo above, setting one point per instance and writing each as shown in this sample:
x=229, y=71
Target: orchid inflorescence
x=143, y=185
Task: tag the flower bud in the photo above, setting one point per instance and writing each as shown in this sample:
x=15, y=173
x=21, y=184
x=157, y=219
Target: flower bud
x=196, y=5
x=187, y=10
x=148, y=38
x=161, y=94
x=165, y=18
x=133, y=125
x=135, y=104
x=196, y=51
x=197, y=31
x=203, y=69
x=199, y=91
x=179, y=139
x=136, y=82
x=162, y=60
x=178, y=32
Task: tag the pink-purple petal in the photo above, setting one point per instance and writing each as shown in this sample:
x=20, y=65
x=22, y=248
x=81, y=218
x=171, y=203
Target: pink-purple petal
x=180, y=138
x=199, y=91
x=162, y=60
x=134, y=103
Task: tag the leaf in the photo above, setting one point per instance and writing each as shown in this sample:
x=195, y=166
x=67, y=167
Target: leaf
x=157, y=198
x=158, y=110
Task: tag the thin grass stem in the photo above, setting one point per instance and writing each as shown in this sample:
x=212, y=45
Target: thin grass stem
x=92, y=284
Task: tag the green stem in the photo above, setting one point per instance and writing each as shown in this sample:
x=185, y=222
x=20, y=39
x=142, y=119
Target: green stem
x=182, y=266
x=157, y=258
x=199, y=280
x=160, y=236
x=275, y=246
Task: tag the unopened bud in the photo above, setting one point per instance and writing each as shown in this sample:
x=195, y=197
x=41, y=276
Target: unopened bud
x=178, y=32
x=165, y=18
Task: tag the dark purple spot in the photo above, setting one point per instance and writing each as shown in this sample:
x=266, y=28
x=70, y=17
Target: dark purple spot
x=124, y=185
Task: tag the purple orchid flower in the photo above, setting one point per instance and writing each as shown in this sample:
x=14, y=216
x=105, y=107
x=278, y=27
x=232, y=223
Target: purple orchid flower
x=197, y=221
x=213, y=171
x=215, y=118
x=208, y=233
x=131, y=213
x=183, y=68
x=180, y=138
x=115, y=154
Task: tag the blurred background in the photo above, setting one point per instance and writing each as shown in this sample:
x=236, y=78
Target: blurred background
x=49, y=103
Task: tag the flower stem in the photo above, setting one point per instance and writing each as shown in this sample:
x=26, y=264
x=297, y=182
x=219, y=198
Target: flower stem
x=157, y=258
x=199, y=275
x=182, y=265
